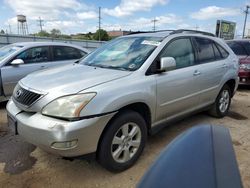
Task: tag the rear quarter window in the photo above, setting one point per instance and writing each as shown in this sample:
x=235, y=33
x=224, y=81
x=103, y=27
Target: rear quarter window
x=223, y=52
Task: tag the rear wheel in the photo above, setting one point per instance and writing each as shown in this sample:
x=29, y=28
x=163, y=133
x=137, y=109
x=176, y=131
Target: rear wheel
x=222, y=103
x=123, y=141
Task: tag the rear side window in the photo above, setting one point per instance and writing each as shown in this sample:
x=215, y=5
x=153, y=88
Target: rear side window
x=237, y=48
x=61, y=53
x=182, y=51
x=205, y=50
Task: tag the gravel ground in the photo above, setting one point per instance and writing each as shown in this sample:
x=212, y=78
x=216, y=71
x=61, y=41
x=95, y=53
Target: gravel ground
x=24, y=165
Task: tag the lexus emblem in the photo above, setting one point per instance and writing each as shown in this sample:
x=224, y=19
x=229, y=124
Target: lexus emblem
x=19, y=93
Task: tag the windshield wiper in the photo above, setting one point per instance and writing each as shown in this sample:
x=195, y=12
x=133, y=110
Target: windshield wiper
x=112, y=67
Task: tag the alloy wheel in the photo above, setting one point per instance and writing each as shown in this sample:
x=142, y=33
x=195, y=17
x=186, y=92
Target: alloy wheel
x=224, y=101
x=126, y=142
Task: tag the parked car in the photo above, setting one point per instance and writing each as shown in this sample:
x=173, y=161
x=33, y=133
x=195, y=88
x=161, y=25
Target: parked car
x=242, y=49
x=209, y=161
x=19, y=59
x=115, y=97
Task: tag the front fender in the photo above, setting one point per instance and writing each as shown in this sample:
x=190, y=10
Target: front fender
x=120, y=93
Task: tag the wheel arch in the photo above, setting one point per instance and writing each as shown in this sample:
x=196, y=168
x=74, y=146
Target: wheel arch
x=139, y=107
x=231, y=84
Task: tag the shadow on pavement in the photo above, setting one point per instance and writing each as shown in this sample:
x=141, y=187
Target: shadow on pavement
x=3, y=105
x=14, y=152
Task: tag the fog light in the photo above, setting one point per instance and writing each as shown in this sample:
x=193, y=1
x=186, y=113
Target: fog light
x=243, y=80
x=64, y=145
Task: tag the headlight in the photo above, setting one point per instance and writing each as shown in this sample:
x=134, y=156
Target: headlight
x=245, y=66
x=68, y=106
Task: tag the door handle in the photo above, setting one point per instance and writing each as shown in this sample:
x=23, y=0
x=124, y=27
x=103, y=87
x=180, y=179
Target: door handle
x=197, y=73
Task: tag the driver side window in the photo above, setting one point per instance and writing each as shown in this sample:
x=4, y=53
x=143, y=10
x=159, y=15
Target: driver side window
x=182, y=51
x=35, y=55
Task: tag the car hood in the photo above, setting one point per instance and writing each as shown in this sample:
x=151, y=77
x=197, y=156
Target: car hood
x=70, y=79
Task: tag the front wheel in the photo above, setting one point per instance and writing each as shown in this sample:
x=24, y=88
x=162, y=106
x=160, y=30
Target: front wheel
x=222, y=103
x=123, y=141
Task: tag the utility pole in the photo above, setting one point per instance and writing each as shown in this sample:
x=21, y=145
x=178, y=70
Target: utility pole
x=9, y=29
x=196, y=27
x=99, y=23
x=40, y=23
x=246, y=13
x=154, y=21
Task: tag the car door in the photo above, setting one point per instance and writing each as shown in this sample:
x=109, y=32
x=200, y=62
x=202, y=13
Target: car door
x=213, y=66
x=177, y=92
x=63, y=55
x=34, y=58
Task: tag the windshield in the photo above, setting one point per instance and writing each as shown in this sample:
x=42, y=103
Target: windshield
x=127, y=53
x=8, y=50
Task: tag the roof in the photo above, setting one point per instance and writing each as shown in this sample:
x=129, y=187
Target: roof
x=33, y=44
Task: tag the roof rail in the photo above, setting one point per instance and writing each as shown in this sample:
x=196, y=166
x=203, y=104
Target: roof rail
x=192, y=31
x=138, y=32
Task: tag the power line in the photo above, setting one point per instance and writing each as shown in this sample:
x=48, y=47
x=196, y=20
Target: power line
x=40, y=23
x=99, y=23
x=154, y=21
x=246, y=13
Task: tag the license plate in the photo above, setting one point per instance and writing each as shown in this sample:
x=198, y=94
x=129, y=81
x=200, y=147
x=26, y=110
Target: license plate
x=12, y=123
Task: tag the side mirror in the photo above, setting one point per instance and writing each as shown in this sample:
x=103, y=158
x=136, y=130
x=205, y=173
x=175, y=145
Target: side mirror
x=17, y=62
x=167, y=63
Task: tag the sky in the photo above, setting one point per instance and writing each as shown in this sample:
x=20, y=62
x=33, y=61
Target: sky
x=81, y=16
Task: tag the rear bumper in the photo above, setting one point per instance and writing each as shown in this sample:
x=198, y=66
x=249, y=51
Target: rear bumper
x=244, y=77
x=44, y=131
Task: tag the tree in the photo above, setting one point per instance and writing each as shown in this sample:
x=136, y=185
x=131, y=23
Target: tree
x=43, y=33
x=55, y=33
x=103, y=35
x=89, y=36
x=2, y=31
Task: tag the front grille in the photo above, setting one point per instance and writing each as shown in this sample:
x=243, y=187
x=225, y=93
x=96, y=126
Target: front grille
x=25, y=97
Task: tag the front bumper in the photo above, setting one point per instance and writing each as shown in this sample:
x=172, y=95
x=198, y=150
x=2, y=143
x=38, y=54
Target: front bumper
x=44, y=131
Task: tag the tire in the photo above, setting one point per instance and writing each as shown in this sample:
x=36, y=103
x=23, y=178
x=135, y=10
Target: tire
x=224, y=98
x=123, y=141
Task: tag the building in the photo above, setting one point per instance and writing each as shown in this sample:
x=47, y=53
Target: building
x=118, y=33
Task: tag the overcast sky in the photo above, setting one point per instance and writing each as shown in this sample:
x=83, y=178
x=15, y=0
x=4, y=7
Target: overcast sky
x=80, y=16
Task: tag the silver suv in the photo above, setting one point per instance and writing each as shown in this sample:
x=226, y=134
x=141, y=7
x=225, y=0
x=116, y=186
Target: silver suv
x=109, y=102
